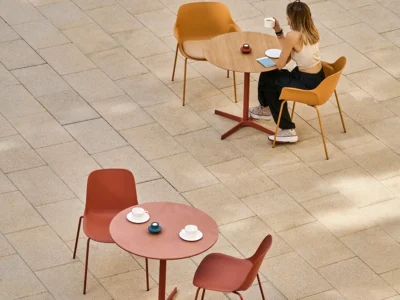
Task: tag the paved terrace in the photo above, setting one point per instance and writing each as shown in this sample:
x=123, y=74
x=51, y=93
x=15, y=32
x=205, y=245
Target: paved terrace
x=85, y=84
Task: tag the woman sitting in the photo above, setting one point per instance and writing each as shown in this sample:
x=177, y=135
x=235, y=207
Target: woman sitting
x=301, y=45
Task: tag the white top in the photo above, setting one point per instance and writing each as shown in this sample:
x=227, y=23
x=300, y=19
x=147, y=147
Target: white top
x=308, y=57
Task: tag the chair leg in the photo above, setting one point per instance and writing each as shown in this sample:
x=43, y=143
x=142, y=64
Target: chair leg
x=86, y=266
x=277, y=124
x=322, y=132
x=340, y=112
x=77, y=236
x=204, y=292
x=294, y=105
x=147, y=275
x=227, y=73
x=176, y=57
x=197, y=293
x=184, y=83
x=261, y=289
x=237, y=293
x=234, y=86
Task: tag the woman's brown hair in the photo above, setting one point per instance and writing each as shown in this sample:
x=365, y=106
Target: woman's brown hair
x=300, y=17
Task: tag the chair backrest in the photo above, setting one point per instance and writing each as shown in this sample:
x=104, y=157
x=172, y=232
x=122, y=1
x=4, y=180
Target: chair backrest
x=200, y=20
x=110, y=190
x=332, y=75
x=257, y=260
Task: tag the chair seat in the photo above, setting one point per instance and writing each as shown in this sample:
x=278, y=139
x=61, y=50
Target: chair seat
x=96, y=226
x=222, y=273
x=194, y=48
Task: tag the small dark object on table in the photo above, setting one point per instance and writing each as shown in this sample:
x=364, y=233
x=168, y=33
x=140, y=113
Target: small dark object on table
x=245, y=49
x=155, y=227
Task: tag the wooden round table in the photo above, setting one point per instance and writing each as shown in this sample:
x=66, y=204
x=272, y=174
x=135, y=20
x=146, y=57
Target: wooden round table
x=224, y=51
x=167, y=245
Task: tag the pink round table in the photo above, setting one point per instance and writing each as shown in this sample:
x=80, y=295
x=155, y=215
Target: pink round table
x=166, y=245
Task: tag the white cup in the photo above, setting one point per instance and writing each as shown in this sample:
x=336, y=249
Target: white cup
x=138, y=213
x=191, y=230
x=269, y=22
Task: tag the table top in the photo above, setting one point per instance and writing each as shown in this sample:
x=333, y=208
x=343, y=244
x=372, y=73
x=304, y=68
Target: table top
x=224, y=51
x=166, y=245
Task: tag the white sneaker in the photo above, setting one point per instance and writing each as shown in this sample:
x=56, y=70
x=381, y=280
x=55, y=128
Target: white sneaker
x=260, y=112
x=285, y=136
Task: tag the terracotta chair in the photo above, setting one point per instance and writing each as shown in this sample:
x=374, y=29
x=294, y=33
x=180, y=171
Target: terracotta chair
x=109, y=191
x=317, y=96
x=195, y=24
x=227, y=274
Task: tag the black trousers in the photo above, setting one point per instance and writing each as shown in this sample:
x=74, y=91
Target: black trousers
x=271, y=84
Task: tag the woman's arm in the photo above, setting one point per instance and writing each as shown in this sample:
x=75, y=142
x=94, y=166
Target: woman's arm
x=287, y=44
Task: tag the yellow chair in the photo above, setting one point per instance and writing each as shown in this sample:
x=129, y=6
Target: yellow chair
x=317, y=96
x=196, y=23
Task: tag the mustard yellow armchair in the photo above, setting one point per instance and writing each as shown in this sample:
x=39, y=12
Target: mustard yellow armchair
x=317, y=96
x=196, y=23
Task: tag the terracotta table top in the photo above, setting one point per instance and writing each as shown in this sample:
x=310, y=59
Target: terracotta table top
x=224, y=51
x=167, y=245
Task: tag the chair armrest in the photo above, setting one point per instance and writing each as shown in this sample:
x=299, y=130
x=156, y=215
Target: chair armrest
x=308, y=97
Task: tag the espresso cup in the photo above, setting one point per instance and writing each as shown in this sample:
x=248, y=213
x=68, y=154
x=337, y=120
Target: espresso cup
x=269, y=22
x=190, y=231
x=138, y=212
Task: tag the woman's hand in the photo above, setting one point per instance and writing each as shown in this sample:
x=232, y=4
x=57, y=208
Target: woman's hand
x=277, y=26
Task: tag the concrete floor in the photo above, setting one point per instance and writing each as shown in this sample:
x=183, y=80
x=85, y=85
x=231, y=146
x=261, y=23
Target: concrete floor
x=85, y=84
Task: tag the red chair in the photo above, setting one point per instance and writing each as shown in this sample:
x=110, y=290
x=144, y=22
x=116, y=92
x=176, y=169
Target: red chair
x=227, y=274
x=109, y=191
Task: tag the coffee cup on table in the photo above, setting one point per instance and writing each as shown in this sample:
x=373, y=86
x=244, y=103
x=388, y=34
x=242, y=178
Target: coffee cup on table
x=138, y=213
x=269, y=22
x=191, y=231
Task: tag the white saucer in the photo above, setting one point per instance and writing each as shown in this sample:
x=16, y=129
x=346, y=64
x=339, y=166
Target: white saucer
x=199, y=236
x=273, y=53
x=145, y=218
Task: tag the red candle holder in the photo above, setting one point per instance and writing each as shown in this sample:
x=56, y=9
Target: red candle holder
x=246, y=49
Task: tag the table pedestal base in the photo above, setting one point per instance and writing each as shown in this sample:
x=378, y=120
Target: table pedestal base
x=173, y=293
x=163, y=282
x=244, y=121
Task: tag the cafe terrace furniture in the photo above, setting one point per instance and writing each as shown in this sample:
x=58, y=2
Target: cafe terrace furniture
x=108, y=192
x=224, y=52
x=227, y=274
x=316, y=97
x=166, y=245
x=195, y=24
